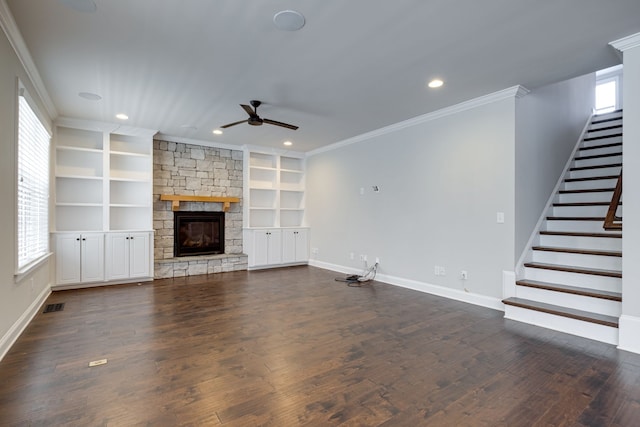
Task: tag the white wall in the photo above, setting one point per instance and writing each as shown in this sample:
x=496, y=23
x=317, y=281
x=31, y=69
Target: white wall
x=549, y=121
x=442, y=182
x=18, y=301
x=630, y=320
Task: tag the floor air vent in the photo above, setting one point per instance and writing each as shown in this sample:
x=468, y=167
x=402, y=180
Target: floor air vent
x=50, y=308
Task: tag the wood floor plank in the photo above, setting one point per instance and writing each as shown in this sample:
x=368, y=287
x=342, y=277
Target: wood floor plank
x=292, y=347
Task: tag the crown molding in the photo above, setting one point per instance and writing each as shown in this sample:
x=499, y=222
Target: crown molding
x=512, y=92
x=14, y=36
x=626, y=43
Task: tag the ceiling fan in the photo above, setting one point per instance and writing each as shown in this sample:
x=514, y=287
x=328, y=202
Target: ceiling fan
x=255, y=120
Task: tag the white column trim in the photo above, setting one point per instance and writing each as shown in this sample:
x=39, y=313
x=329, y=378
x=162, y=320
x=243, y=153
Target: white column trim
x=626, y=43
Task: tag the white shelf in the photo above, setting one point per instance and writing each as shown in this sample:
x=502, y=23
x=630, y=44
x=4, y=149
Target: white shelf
x=103, y=181
x=275, y=194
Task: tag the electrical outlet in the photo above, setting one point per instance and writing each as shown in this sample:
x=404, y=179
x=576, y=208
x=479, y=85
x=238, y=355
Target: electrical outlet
x=436, y=270
x=500, y=217
x=352, y=256
x=443, y=272
x=377, y=260
x=363, y=257
x=464, y=275
x=315, y=251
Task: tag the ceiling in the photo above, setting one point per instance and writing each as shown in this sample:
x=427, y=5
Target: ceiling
x=183, y=67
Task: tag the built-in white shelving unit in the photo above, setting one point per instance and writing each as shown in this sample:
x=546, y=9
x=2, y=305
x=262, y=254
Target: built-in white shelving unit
x=102, y=183
x=274, y=201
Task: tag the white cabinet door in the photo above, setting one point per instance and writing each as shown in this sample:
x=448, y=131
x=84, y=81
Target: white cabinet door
x=139, y=254
x=128, y=255
x=267, y=247
x=295, y=246
x=302, y=245
x=67, y=258
x=117, y=256
x=92, y=257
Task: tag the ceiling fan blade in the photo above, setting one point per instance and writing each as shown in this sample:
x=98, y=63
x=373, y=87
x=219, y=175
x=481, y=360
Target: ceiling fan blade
x=249, y=110
x=233, y=124
x=284, y=125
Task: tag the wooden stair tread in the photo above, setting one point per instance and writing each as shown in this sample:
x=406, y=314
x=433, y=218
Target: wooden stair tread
x=595, y=147
x=574, y=290
x=560, y=205
x=591, y=178
x=586, y=316
x=573, y=269
x=587, y=190
x=597, y=156
x=577, y=251
x=583, y=168
x=580, y=234
x=575, y=218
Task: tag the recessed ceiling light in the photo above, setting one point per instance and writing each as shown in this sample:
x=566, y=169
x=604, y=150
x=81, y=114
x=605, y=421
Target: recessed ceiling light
x=288, y=143
x=435, y=83
x=122, y=116
x=288, y=20
x=80, y=5
x=90, y=96
x=217, y=132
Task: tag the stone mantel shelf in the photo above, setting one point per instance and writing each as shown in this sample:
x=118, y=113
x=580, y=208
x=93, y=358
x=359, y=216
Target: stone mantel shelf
x=175, y=200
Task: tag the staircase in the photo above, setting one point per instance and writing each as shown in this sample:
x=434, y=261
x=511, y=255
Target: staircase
x=572, y=280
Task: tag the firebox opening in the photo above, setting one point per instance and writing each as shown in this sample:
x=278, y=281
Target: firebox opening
x=198, y=233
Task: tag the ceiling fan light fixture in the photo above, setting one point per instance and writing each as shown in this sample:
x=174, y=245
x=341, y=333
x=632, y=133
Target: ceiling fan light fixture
x=288, y=20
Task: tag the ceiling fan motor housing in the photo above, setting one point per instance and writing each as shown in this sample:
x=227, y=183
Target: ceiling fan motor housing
x=255, y=121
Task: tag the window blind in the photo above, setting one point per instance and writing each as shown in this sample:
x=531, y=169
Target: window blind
x=33, y=186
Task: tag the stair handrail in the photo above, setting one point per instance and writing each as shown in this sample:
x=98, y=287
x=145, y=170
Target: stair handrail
x=611, y=221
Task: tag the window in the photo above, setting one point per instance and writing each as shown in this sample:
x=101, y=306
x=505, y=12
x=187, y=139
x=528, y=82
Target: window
x=33, y=186
x=609, y=90
x=606, y=96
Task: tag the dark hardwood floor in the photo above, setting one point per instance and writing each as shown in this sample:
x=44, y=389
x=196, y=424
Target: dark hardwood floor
x=290, y=347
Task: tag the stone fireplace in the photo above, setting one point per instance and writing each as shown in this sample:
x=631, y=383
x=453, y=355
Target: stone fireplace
x=188, y=169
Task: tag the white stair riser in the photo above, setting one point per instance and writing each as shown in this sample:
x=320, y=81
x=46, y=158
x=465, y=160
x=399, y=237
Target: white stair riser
x=579, y=328
x=599, y=210
x=597, y=142
x=587, y=185
x=576, y=242
x=577, y=302
x=588, y=173
x=597, y=196
x=598, y=161
x=573, y=226
x=579, y=260
x=601, y=125
x=603, y=283
x=599, y=151
x=605, y=132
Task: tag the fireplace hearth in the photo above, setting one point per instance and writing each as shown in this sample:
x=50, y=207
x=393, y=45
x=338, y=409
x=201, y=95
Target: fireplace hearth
x=198, y=233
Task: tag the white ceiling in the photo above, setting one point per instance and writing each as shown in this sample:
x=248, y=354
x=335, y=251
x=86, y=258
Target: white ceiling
x=356, y=65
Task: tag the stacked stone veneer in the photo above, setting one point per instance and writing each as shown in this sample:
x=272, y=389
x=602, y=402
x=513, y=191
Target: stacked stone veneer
x=196, y=170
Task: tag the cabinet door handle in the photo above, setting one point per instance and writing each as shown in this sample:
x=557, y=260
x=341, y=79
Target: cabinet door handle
x=78, y=239
x=131, y=237
x=83, y=239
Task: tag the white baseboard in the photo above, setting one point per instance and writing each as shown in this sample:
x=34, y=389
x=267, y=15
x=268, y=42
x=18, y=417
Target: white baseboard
x=454, y=294
x=21, y=324
x=629, y=339
x=98, y=284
